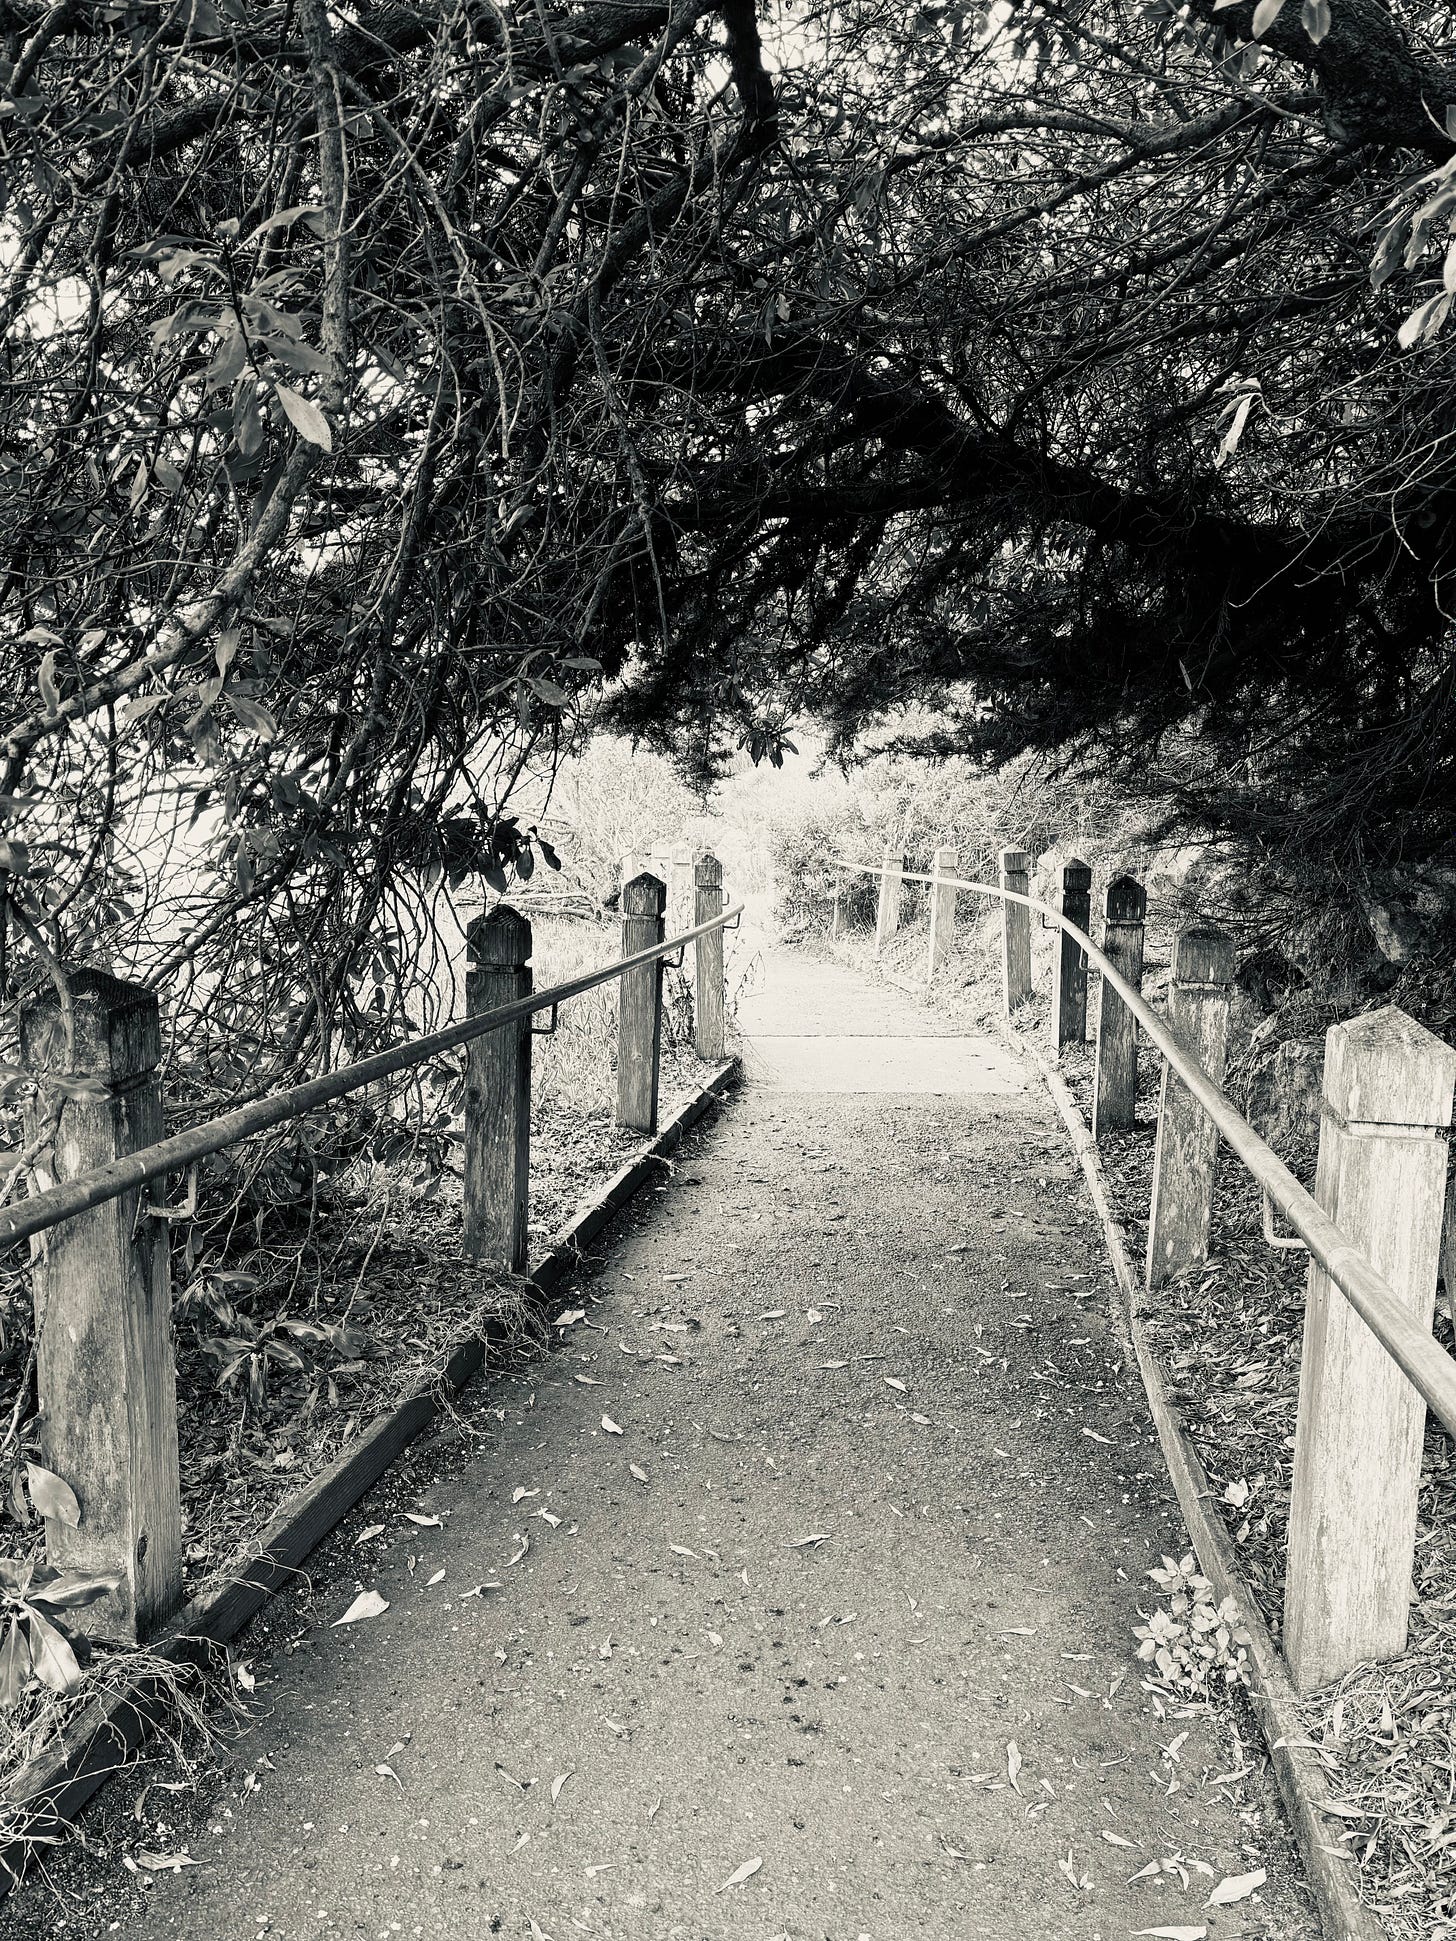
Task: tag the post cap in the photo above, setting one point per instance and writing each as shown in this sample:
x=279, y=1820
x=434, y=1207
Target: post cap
x=1386, y=1069
x=1076, y=875
x=644, y=896
x=1127, y=900
x=947, y=858
x=709, y=872
x=118, y=1028
x=500, y=936
x=1203, y=954
x=1014, y=862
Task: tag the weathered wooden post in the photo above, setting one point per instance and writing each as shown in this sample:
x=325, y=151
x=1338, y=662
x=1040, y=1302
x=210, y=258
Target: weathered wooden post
x=1187, y=1146
x=1357, y=1448
x=1114, y=1089
x=1069, y=961
x=498, y=1094
x=946, y=863
x=708, y=988
x=1015, y=931
x=105, y=1376
x=836, y=920
x=639, y=1014
x=680, y=888
x=887, y=920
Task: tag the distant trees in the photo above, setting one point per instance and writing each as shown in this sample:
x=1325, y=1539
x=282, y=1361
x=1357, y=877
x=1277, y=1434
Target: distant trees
x=374, y=383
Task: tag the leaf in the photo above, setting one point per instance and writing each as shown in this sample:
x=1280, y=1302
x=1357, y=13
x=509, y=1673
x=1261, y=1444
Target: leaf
x=1315, y=16
x=681, y=1550
x=161, y=1863
x=368, y=1604
x=520, y=1493
x=374, y=1530
x=1116, y=1839
x=438, y=1578
x=1237, y=1887
x=639, y=1472
x=612, y=1428
x=14, y=857
x=812, y=1541
x=53, y=1660
x=1172, y=1934
x=1265, y=14
x=570, y=1318
x=423, y=1521
x=1013, y=1762
x=386, y=1771
x=45, y=680
x=559, y=1781
x=243, y=1673
x=251, y=714
x=774, y=1314
x=305, y=417
x=52, y=1497
x=891, y=1382
x=73, y=1590
x=14, y=1664
x=281, y=219
x=739, y=1875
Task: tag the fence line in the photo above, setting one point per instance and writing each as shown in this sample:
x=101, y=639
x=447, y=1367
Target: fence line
x=1375, y=1239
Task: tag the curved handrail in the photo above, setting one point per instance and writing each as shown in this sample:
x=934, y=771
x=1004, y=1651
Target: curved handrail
x=1415, y=1352
x=183, y=1149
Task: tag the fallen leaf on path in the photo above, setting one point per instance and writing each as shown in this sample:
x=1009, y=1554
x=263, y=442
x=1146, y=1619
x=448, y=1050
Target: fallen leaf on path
x=952, y=1853
x=655, y=1808
x=368, y=1604
x=480, y=1590
x=587, y=1381
x=559, y=1781
x=812, y=1541
x=834, y=1364
x=891, y=1382
x=387, y=1771
x=773, y=1314
x=243, y=1673
x=602, y=1867
x=1116, y=1839
x=374, y=1530
x=1013, y=1762
x=520, y=1843
x=813, y=1316
x=1171, y=1934
x=1069, y=1868
x=1146, y=1873
x=157, y=1863
x=681, y=1550
x=520, y=1493
x=438, y=1578
x=505, y=1773
x=639, y=1472
x=739, y=1875
x=570, y=1318
x=548, y=1516
x=1237, y=1887
x=525, y=1543
x=612, y=1428
x=1092, y=1433
x=424, y=1522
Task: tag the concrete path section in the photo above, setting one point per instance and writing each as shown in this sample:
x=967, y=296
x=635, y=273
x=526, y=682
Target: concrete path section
x=790, y=1599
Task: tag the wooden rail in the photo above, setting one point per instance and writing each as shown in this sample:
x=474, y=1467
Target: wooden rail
x=99, y=1247
x=1372, y=1229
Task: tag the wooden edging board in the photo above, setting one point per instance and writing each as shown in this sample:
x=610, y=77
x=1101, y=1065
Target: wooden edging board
x=1300, y=1776
x=53, y=1787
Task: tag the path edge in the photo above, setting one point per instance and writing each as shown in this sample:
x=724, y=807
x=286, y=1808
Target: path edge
x=1299, y=1775
x=53, y=1787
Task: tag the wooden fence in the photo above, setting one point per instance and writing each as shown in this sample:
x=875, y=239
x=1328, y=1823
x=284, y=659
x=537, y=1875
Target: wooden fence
x=99, y=1238
x=1372, y=1227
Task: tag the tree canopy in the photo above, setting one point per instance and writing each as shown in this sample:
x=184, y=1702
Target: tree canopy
x=386, y=388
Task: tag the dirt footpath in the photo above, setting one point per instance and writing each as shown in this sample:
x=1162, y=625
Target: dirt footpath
x=791, y=1597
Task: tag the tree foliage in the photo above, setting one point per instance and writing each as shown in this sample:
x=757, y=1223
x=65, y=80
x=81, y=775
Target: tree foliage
x=378, y=384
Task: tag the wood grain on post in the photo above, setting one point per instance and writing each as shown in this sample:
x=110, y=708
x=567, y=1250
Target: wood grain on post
x=1114, y=1091
x=709, y=991
x=498, y=1095
x=1357, y=1452
x=1069, y=959
x=835, y=921
x=887, y=921
x=105, y=1376
x=1015, y=931
x=680, y=893
x=1187, y=1146
x=942, y=909
x=639, y=1013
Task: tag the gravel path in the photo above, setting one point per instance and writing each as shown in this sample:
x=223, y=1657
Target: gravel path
x=809, y=1562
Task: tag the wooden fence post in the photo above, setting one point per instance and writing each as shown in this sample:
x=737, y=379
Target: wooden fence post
x=105, y=1376
x=947, y=862
x=1187, y=1145
x=708, y=984
x=639, y=1014
x=887, y=921
x=680, y=888
x=1069, y=961
x=1114, y=1089
x=1357, y=1451
x=1015, y=932
x=835, y=921
x=498, y=1095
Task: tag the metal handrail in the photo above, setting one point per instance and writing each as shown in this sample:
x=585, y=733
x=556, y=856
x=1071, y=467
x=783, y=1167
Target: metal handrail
x=1415, y=1352
x=184, y=1149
